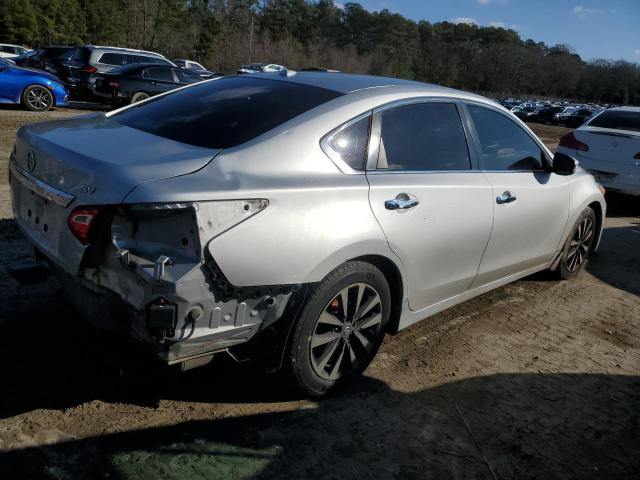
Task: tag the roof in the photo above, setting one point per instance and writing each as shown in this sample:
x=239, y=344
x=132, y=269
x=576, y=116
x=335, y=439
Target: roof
x=122, y=49
x=347, y=83
x=624, y=109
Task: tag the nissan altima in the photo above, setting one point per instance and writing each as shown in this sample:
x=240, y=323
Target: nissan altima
x=294, y=219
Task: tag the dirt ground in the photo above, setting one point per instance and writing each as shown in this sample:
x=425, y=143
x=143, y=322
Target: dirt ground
x=538, y=379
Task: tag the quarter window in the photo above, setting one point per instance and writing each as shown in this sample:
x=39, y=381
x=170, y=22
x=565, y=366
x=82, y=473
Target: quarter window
x=504, y=145
x=112, y=59
x=423, y=136
x=350, y=144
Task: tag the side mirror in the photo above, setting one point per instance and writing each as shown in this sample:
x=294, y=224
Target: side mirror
x=563, y=164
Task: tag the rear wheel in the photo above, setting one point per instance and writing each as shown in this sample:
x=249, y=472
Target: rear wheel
x=139, y=96
x=37, y=98
x=578, y=245
x=340, y=328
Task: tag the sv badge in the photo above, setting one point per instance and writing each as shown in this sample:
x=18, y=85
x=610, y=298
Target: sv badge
x=87, y=189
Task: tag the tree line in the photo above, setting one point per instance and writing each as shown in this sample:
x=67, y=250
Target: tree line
x=223, y=34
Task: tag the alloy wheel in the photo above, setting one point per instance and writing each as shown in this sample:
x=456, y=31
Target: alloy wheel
x=346, y=331
x=580, y=245
x=39, y=98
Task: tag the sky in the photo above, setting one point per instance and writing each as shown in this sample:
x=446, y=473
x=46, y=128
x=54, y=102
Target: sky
x=594, y=28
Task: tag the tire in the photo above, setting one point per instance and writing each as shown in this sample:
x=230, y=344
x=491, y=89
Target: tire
x=578, y=245
x=139, y=96
x=310, y=363
x=37, y=98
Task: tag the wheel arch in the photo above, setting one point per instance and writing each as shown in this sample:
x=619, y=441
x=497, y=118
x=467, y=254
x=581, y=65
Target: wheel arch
x=394, y=278
x=597, y=209
x=35, y=84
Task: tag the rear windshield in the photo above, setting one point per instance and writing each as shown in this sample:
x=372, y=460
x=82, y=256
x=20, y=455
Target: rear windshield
x=224, y=113
x=618, y=120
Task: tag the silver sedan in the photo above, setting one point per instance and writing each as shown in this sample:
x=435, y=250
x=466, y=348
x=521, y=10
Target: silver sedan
x=294, y=219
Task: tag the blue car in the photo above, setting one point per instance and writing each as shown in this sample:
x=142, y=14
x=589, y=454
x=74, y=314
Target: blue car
x=33, y=89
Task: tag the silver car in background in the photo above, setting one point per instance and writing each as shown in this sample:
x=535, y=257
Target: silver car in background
x=295, y=219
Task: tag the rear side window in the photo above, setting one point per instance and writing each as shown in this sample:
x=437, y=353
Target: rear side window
x=617, y=120
x=423, y=136
x=504, y=145
x=226, y=112
x=112, y=59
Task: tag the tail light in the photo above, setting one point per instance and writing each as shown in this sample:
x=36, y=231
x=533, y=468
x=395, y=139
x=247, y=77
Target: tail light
x=89, y=69
x=570, y=141
x=80, y=221
x=114, y=83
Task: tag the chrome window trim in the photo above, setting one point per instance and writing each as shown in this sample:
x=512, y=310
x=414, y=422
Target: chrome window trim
x=376, y=129
x=325, y=145
x=41, y=188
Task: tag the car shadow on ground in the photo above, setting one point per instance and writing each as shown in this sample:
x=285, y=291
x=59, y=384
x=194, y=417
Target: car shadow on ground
x=521, y=426
x=618, y=259
x=619, y=205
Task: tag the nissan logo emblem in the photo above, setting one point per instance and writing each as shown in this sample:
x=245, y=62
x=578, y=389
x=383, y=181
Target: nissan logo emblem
x=31, y=161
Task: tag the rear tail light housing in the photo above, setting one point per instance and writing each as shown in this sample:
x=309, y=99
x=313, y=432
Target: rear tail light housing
x=570, y=141
x=89, y=69
x=81, y=220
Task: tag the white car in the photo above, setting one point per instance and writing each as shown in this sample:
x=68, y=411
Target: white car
x=609, y=147
x=8, y=50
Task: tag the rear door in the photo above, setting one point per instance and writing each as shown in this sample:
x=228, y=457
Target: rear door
x=530, y=204
x=161, y=79
x=433, y=207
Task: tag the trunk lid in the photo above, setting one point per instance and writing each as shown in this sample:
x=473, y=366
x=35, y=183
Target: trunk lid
x=610, y=150
x=99, y=161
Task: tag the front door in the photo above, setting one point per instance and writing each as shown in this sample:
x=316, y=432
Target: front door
x=530, y=204
x=8, y=84
x=435, y=211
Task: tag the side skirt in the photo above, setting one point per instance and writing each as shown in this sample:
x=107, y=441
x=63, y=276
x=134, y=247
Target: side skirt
x=410, y=317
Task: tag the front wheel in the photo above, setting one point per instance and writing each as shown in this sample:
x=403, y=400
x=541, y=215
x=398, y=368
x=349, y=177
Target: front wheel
x=578, y=245
x=340, y=328
x=37, y=98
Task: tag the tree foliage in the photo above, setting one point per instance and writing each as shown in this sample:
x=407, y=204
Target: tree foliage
x=300, y=33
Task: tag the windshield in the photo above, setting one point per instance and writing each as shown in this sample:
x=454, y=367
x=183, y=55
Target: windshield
x=226, y=112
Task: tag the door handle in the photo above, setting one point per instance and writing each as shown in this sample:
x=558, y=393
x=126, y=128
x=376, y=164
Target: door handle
x=400, y=203
x=506, y=197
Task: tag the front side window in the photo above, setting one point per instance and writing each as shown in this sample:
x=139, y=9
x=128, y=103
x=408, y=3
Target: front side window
x=186, y=77
x=423, y=136
x=504, y=144
x=161, y=74
x=224, y=113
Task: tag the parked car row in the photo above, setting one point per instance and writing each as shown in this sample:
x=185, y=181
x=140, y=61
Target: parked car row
x=552, y=113
x=111, y=75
